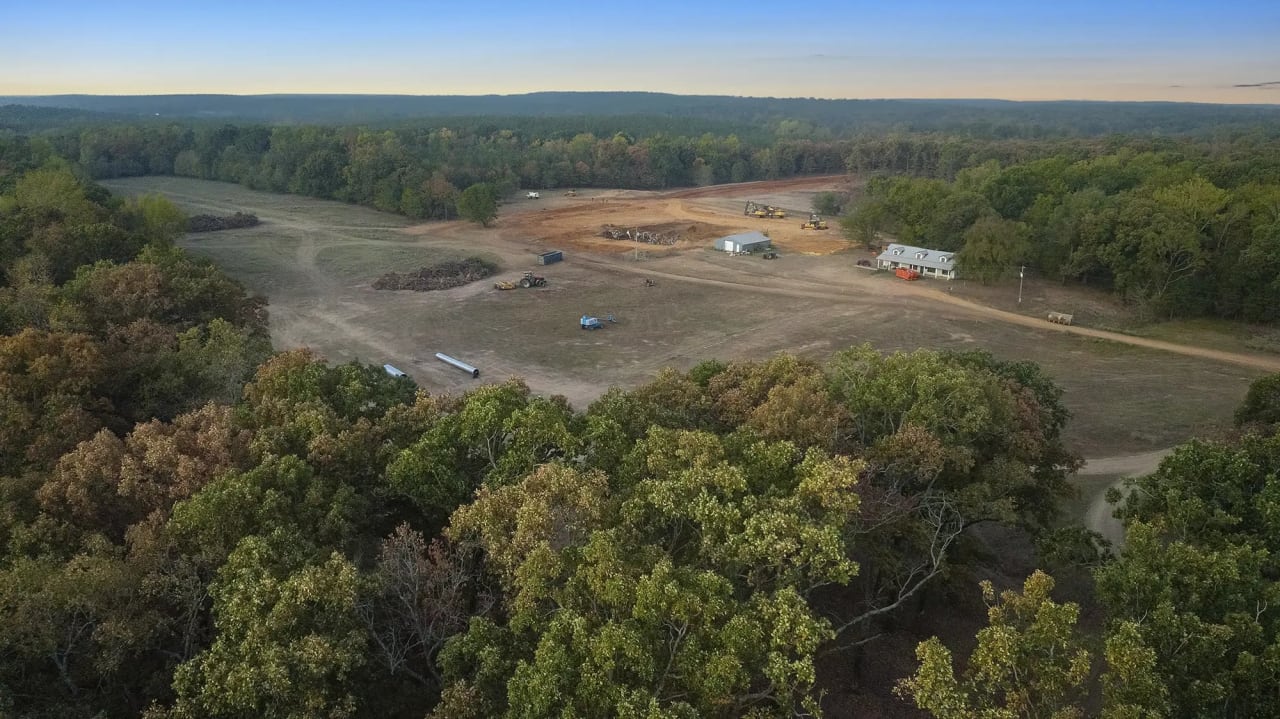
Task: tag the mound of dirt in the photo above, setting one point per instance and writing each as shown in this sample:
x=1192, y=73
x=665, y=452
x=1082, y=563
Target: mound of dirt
x=213, y=223
x=442, y=276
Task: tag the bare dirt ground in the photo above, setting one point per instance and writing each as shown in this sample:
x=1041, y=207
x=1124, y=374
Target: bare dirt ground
x=316, y=261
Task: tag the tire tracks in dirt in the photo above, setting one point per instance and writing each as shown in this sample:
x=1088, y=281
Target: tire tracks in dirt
x=1099, y=514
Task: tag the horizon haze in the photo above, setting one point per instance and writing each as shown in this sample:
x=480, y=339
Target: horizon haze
x=1183, y=52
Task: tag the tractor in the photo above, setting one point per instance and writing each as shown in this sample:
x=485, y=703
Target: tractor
x=529, y=280
x=532, y=280
x=814, y=223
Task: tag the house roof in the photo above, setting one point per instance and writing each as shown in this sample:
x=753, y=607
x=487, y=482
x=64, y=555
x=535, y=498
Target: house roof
x=745, y=238
x=911, y=255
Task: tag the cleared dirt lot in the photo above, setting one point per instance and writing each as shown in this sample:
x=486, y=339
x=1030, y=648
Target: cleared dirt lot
x=316, y=261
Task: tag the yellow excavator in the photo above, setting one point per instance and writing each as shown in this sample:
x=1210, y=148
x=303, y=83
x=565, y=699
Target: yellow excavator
x=814, y=223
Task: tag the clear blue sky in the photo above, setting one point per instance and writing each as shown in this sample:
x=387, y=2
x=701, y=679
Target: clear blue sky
x=1034, y=49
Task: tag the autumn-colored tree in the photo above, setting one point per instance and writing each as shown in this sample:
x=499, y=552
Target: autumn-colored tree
x=48, y=401
x=108, y=484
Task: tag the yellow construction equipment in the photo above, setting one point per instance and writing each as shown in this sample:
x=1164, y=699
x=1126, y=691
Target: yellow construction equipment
x=754, y=209
x=814, y=223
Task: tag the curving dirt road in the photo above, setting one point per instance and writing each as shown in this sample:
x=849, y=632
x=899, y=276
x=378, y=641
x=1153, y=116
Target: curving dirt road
x=1098, y=516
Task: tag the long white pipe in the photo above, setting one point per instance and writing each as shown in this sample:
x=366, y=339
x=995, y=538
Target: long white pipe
x=458, y=363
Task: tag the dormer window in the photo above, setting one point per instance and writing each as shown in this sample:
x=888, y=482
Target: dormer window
x=920, y=255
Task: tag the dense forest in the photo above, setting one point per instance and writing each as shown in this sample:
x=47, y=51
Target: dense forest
x=1175, y=231
x=987, y=118
x=1178, y=224
x=193, y=526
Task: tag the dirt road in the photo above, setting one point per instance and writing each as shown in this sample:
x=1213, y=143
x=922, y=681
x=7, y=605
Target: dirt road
x=834, y=292
x=1098, y=516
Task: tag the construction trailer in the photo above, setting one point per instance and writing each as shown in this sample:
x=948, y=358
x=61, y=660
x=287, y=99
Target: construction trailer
x=744, y=242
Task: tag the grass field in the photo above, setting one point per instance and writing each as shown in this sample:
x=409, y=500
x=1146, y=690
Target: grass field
x=315, y=260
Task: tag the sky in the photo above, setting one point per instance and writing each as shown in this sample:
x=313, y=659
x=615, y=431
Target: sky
x=1224, y=51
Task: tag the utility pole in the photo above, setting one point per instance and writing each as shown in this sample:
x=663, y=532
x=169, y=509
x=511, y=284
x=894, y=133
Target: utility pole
x=1021, y=273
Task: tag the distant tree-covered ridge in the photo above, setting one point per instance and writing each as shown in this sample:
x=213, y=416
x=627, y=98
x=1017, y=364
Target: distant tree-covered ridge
x=985, y=118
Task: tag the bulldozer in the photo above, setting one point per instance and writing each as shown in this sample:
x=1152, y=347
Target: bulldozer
x=755, y=209
x=814, y=223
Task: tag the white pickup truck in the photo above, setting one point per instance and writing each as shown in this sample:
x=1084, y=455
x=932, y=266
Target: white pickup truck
x=533, y=196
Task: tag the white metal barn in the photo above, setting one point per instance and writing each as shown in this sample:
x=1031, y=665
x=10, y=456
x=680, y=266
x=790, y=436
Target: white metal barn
x=929, y=263
x=744, y=242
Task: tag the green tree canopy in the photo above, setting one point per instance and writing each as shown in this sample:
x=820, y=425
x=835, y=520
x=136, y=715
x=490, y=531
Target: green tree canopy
x=479, y=203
